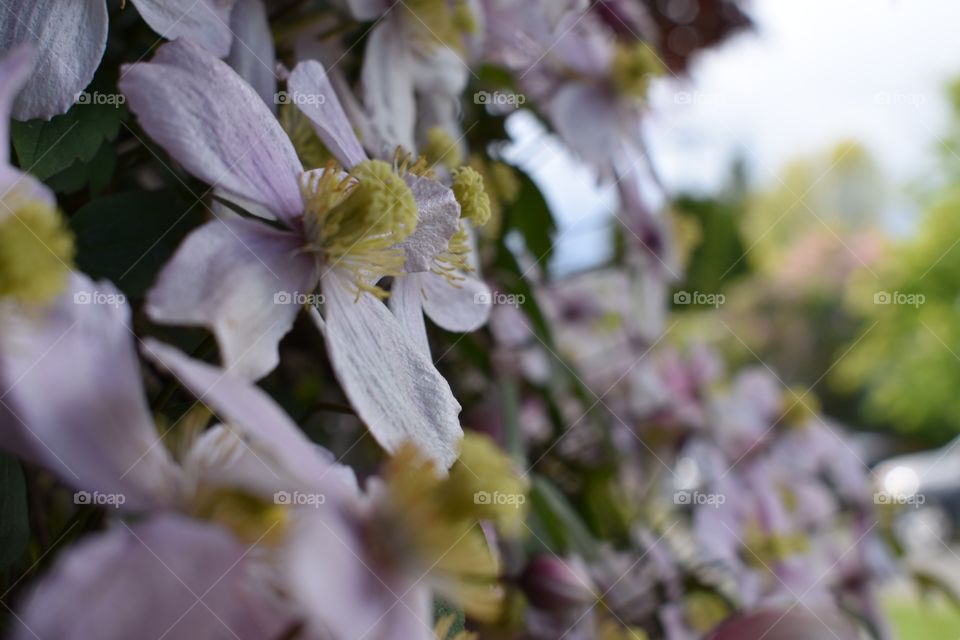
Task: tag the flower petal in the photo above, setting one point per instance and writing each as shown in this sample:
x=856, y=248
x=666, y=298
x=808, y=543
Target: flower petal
x=387, y=81
x=438, y=218
x=275, y=441
x=205, y=22
x=70, y=38
x=392, y=384
x=169, y=577
x=73, y=392
x=15, y=68
x=240, y=278
x=215, y=125
x=460, y=307
x=316, y=98
x=252, y=55
x=406, y=303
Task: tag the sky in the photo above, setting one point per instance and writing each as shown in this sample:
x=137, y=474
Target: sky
x=813, y=73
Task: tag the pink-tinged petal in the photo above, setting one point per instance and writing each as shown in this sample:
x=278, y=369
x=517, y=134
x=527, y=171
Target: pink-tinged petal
x=252, y=55
x=69, y=37
x=204, y=22
x=438, y=218
x=169, y=577
x=215, y=125
x=587, y=120
x=406, y=303
x=394, y=387
x=18, y=188
x=278, y=447
x=459, y=306
x=241, y=279
x=73, y=392
x=790, y=624
x=330, y=570
x=15, y=68
x=387, y=81
x=314, y=95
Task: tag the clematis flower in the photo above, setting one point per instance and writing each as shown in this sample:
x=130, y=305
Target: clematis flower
x=71, y=37
x=418, y=536
x=341, y=229
x=415, y=48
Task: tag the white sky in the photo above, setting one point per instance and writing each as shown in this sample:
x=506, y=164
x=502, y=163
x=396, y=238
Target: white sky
x=813, y=73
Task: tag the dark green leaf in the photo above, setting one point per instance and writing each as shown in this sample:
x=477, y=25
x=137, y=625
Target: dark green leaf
x=530, y=215
x=14, y=524
x=127, y=237
x=563, y=525
x=47, y=148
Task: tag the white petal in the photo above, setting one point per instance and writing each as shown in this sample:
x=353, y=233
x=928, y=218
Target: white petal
x=215, y=125
x=15, y=68
x=205, y=22
x=74, y=393
x=394, y=387
x=70, y=38
x=315, y=97
x=406, y=303
x=251, y=54
x=240, y=278
x=461, y=307
x=279, y=451
x=387, y=80
x=438, y=218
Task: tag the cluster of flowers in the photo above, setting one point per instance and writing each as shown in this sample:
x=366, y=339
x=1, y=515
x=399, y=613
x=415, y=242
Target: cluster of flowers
x=357, y=191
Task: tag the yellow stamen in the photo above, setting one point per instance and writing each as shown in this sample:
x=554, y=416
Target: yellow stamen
x=310, y=149
x=432, y=23
x=357, y=219
x=36, y=253
x=469, y=190
x=633, y=68
x=253, y=519
x=442, y=149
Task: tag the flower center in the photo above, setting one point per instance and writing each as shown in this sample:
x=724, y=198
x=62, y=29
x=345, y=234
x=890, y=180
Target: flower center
x=356, y=219
x=436, y=23
x=36, y=253
x=251, y=518
x=633, y=68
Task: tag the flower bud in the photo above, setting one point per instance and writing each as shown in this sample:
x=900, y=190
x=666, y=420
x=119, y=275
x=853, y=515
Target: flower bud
x=553, y=584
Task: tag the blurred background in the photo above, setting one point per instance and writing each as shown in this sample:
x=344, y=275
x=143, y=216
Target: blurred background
x=820, y=153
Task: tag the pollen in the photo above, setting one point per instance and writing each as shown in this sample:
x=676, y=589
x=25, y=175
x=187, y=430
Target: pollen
x=633, y=68
x=251, y=518
x=356, y=219
x=468, y=188
x=36, y=253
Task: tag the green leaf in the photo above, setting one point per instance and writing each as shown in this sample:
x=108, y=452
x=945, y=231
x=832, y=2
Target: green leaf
x=96, y=173
x=530, y=215
x=14, y=524
x=565, y=528
x=47, y=148
x=127, y=237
